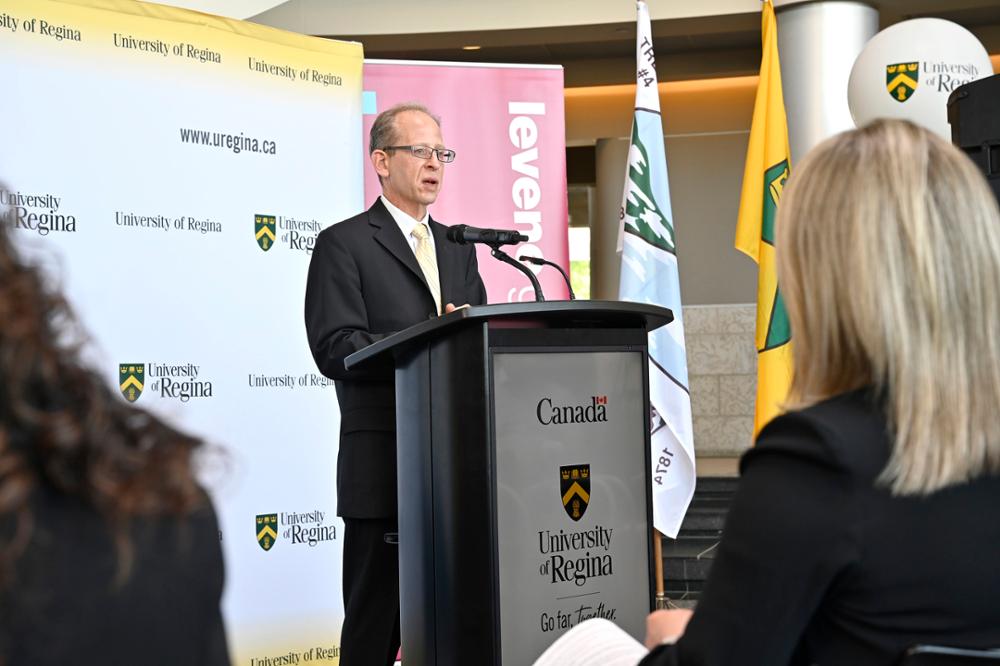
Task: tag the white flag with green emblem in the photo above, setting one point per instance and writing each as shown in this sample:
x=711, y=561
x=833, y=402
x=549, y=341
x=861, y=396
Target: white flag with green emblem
x=649, y=275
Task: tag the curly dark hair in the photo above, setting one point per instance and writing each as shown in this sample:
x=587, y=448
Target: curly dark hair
x=61, y=424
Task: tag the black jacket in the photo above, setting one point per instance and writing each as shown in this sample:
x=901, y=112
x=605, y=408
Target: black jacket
x=364, y=284
x=820, y=564
x=64, y=603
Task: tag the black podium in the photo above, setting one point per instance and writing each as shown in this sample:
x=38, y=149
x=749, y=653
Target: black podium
x=523, y=468
x=975, y=125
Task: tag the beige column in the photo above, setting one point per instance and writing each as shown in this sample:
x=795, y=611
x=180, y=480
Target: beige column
x=611, y=157
x=818, y=43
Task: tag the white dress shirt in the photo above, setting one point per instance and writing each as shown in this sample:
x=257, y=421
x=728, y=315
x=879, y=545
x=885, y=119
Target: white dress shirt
x=407, y=224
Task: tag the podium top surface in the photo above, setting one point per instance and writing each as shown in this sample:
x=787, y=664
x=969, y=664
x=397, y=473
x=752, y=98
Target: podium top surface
x=553, y=314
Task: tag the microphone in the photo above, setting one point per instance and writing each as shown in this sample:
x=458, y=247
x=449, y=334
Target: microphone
x=464, y=234
x=538, y=261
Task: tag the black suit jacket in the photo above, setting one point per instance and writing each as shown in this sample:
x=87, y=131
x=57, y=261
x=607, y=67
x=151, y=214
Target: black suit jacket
x=63, y=603
x=364, y=284
x=820, y=564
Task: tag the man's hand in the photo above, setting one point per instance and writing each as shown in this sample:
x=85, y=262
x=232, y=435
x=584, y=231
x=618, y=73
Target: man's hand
x=666, y=625
x=451, y=307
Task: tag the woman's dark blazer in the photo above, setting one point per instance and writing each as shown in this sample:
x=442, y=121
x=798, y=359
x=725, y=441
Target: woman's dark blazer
x=820, y=564
x=65, y=602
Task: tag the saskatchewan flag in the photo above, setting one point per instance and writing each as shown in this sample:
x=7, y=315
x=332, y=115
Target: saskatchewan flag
x=649, y=275
x=764, y=177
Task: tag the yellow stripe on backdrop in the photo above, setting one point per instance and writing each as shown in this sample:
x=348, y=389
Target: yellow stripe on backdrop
x=190, y=17
x=767, y=167
x=239, y=52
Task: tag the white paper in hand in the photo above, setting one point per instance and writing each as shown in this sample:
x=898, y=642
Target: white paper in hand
x=593, y=643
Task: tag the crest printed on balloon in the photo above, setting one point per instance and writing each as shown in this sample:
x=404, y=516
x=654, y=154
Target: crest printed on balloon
x=909, y=69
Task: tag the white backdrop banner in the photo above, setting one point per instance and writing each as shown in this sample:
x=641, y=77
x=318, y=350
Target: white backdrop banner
x=175, y=169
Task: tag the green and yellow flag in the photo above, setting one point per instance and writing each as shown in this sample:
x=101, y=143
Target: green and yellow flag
x=764, y=176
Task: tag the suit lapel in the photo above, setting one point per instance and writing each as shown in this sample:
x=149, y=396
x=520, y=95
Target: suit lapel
x=388, y=235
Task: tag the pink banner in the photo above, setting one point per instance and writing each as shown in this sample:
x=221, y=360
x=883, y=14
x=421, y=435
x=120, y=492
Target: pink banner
x=506, y=124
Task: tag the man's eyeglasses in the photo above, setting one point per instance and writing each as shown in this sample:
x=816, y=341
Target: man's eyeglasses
x=424, y=152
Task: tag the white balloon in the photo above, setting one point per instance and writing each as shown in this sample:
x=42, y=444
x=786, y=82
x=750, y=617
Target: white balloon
x=909, y=69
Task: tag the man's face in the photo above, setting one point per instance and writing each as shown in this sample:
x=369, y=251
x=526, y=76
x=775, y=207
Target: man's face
x=409, y=182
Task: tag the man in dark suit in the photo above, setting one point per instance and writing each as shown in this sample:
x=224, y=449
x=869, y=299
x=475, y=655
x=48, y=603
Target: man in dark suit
x=372, y=275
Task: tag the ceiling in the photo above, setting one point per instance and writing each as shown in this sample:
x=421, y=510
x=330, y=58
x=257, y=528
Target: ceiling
x=604, y=53
x=593, y=54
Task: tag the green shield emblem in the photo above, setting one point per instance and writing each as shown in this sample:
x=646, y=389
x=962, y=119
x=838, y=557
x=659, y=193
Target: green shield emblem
x=267, y=530
x=901, y=79
x=131, y=377
x=574, y=485
x=264, y=228
x=779, y=329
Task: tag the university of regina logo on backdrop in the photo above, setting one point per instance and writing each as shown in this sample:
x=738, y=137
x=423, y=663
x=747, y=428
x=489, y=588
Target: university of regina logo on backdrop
x=265, y=228
x=130, y=380
x=39, y=212
x=574, y=486
x=290, y=232
x=182, y=381
x=901, y=79
x=267, y=530
x=307, y=528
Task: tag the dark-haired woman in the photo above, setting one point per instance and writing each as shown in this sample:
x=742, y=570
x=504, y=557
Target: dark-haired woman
x=109, y=549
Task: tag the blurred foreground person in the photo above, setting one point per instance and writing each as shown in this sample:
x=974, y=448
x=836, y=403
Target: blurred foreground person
x=109, y=549
x=864, y=522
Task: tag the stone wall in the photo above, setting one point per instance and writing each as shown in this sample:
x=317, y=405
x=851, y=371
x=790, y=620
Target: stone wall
x=722, y=369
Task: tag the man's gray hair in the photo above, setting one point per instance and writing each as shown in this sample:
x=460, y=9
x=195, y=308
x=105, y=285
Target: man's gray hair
x=384, y=129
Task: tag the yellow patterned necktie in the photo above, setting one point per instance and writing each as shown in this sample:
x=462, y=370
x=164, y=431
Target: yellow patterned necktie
x=428, y=262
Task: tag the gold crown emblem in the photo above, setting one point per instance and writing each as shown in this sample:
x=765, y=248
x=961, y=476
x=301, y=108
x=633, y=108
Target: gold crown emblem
x=565, y=475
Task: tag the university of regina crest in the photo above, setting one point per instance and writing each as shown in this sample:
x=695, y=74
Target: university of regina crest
x=574, y=486
x=265, y=228
x=131, y=377
x=901, y=79
x=267, y=530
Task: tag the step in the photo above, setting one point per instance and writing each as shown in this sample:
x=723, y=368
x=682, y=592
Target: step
x=711, y=502
x=717, y=484
x=691, y=548
x=687, y=568
x=701, y=520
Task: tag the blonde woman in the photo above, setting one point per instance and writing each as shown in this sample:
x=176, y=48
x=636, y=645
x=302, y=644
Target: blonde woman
x=866, y=519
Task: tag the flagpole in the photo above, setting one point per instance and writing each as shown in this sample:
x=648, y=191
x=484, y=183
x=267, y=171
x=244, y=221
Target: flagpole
x=649, y=274
x=661, y=595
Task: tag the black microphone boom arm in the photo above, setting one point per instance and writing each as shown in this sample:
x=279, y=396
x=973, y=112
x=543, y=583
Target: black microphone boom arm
x=538, y=261
x=507, y=259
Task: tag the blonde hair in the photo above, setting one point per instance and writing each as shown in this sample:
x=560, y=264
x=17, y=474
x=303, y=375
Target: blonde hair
x=888, y=254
